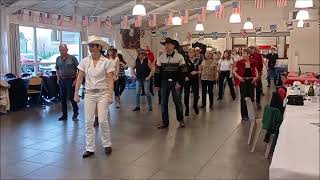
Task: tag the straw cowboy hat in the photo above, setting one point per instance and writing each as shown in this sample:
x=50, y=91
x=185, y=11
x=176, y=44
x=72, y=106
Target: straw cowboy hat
x=185, y=43
x=97, y=40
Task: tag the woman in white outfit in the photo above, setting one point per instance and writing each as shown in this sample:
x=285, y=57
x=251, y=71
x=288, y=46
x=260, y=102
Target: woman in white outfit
x=98, y=72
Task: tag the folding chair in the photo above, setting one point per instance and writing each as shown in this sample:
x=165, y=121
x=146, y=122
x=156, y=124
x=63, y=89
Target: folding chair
x=255, y=125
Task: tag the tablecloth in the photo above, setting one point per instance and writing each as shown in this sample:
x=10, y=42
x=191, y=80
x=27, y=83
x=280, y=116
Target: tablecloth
x=4, y=97
x=296, y=154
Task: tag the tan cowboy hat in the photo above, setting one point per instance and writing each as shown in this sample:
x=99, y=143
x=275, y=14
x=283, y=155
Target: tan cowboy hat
x=120, y=52
x=97, y=40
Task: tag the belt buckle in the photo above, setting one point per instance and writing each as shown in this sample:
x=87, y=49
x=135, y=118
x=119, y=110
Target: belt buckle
x=170, y=80
x=96, y=90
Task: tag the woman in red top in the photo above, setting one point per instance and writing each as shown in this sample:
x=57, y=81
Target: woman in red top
x=246, y=74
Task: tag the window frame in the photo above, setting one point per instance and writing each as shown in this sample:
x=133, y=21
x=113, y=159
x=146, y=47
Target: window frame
x=36, y=62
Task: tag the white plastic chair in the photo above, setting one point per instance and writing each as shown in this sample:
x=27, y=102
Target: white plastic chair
x=256, y=125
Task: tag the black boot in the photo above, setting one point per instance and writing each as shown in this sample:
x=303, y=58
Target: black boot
x=87, y=154
x=196, y=110
x=187, y=112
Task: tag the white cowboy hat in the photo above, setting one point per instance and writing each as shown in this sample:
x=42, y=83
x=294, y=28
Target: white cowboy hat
x=197, y=49
x=97, y=40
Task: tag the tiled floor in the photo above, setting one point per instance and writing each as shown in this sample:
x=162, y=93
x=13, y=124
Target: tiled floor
x=34, y=145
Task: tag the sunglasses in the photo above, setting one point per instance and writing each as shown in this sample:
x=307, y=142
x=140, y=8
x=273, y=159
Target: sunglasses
x=92, y=45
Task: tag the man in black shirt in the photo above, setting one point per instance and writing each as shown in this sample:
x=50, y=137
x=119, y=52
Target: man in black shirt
x=170, y=75
x=272, y=61
x=192, y=81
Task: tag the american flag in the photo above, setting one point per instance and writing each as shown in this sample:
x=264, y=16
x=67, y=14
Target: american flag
x=30, y=16
x=237, y=6
x=138, y=21
x=282, y=3
x=41, y=18
x=168, y=20
x=48, y=18
x=152, y=20
x=184, y=16
x=85, y=21
x=73, y=20
x=259, y=3
x=219, y=12
x=202, y=14
x=96, y=22
x=20, y=15
x=60, y=20
x=124, y=22
x=109, y=23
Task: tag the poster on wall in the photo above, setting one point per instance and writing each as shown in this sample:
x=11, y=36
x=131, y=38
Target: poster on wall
x=153, y=34
x=258, y=30
x=289, y=26
x=130, y=38
x=243, y=33
x=214, y=35
x=273, y=28
x=201, y=36
x=164, y=34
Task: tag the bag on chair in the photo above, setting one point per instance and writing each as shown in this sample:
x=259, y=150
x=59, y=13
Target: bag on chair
x=296, y=100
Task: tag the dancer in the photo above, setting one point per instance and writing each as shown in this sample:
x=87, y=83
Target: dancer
x=225, y=67
x=272, y=61
x=143, y=73
x=209, y=74
x=66, y=66
x=192, y=81
x=170, y=75
x=120, y=84
x=246, y=74
x=98, y=72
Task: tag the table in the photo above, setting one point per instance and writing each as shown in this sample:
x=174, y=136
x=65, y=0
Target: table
x=296, y=155
x=302, y=78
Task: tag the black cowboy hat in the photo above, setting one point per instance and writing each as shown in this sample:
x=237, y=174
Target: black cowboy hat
x=171, y=41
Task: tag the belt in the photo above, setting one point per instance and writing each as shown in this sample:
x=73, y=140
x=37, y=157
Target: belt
x=248, y=78
x=95, y=90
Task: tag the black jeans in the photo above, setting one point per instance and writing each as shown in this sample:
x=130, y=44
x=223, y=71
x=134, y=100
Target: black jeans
x=258, y=91
x=207, y=86
x=120, y=85
x=67, y=92
x=166, y=88
x=222, y=76
x=246, y=90
x=194, y=84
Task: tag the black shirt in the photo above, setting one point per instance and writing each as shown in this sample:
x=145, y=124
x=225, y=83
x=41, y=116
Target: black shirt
x=272, y=60
x=192, y=66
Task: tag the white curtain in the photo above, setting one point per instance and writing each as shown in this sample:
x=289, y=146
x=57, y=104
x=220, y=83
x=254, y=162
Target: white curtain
x=4, y=26
x=14, y=49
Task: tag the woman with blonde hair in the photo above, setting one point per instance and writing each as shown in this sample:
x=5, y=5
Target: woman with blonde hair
x=98, y=72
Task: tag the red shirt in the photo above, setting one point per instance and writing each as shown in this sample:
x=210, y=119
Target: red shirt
x=241, y=66
x=150, y=56
x=257, y=57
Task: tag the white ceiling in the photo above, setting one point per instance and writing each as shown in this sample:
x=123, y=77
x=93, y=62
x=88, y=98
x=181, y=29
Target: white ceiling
x=114, y=8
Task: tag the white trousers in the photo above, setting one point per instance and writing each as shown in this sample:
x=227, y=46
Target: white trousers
x=91, y=101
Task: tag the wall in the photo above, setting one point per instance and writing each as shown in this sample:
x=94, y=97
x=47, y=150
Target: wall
x=304, y=46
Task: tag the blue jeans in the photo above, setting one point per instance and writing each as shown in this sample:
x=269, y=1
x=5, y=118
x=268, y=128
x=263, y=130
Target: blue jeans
x=146, y=84
x=166, y=88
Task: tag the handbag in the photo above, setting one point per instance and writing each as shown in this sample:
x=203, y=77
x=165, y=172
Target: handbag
x=296, y=100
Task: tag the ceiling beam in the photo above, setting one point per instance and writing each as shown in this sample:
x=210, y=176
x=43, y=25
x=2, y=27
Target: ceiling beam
x=119, y=9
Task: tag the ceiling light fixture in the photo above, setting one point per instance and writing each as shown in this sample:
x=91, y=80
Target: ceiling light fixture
x=199, y=27
x=303, y=4
x=300, y=24
x=139, y=10
x=235, y=18
x=248, y=25
x=176, y=21
x=303, y=15
x=211, y=4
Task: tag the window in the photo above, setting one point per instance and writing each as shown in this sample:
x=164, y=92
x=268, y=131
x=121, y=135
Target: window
x=27, y=53
x=39, y=48
x=72, y=40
